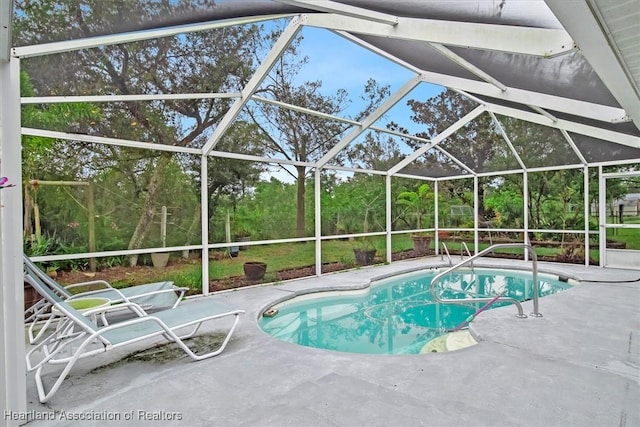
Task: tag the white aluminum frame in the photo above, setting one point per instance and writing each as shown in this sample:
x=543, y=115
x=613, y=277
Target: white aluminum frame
x=12, y=343
x=111, y=39
x=602, y=202
x=525, y=40
x=583, y=23
x=278, y=49
x=345, y=10
x=345, y=21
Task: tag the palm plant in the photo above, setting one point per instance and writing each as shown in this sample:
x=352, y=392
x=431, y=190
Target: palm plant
x=417, y=202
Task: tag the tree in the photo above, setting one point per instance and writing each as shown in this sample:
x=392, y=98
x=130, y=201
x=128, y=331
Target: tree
x=419, y=202
x=224, y=61
x=300, y=136
x=477, y=144
x=376, y=152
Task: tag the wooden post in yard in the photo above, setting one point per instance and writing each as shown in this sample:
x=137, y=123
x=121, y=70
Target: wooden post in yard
x=91, y=223
x=91, y=214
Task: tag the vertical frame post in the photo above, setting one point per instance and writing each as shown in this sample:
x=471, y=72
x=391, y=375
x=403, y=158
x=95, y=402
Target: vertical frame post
x=587, y=214
x=388, y=217
x=204, y=221
x=525, y=210
x=602, y=216
x=476, y=220
x=13, y=394
x=317, y=216
x=435, y=215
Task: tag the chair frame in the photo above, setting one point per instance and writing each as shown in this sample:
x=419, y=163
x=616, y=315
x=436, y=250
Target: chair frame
x=40, y=311
x=78, y=328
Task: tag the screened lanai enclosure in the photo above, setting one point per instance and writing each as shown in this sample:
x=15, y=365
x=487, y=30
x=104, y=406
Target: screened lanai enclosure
x=198, y=128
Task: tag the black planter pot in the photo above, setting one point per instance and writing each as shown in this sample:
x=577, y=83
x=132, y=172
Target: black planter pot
x=364, y=256
x=254, y=270
x=244, y=239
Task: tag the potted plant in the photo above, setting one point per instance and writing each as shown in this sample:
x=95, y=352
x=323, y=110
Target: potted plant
x=443, y=234
x=364, y=252
x=418, y=202
x=254, y=270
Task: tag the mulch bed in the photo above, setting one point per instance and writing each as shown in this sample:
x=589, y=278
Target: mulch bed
x=289, y=274
x=140, y=272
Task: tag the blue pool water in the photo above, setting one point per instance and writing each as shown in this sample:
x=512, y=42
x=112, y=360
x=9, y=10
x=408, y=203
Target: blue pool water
x=396, y=315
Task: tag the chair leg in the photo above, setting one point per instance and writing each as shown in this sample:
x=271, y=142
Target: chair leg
x=216, y=352
x=44, y=395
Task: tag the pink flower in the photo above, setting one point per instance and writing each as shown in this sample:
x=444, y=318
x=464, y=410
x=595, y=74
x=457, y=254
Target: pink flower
x=3, y=182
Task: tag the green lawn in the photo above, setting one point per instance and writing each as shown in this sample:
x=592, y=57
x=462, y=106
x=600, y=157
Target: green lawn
x=280, y=257
x=294, y=255
x=629, y=236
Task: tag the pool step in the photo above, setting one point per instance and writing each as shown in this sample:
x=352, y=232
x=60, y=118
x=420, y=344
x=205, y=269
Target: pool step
x=460, y=339
x=449, y=342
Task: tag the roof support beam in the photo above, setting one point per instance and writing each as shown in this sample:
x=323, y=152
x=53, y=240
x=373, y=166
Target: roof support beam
x=344, y=9
x=357, y=40
x=507, y=140
x=574, y=147
x=258, y=159
x=108, y=141
x=439, y=138
x=525, y=40
x=252, y=85
x=90, y=42
x=455, y=159
x=468, y=95
x=595, y=132
x=304, y=110
x=467, y=65
x=579, y=20
x=336, y=118
x=123, y=98
x=569, y=106
x=370, y=120
x=544, y=112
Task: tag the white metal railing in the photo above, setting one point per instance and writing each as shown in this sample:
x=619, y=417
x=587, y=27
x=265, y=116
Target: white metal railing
x=446, y=251
x=466, y=248
x=490, y=249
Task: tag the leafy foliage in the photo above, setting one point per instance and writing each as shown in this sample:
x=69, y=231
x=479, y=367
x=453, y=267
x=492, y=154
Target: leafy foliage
x=419, y=203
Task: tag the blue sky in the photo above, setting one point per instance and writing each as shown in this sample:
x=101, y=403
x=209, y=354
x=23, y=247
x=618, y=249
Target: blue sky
x=341, y=64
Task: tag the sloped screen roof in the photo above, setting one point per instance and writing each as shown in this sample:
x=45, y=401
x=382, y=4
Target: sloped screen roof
x=514, y=57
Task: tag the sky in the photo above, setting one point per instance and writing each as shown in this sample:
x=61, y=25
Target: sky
x=342, y=64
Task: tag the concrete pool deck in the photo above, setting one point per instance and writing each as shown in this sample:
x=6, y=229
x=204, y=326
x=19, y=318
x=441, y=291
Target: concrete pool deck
x=579, y=365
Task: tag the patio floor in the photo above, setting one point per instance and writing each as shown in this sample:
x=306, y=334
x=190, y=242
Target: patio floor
x=576, y=366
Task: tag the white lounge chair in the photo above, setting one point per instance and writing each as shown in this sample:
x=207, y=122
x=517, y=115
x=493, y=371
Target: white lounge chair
x=79, y=337
x=150, y=296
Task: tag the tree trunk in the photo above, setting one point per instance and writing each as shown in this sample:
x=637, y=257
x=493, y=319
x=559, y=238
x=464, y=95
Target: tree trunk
x=481, y=211
x=300, y=206
x=148, y=211
x=194, y=223
x=28, y=206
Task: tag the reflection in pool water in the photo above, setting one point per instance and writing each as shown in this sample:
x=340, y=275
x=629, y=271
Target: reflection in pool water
x=396, y=315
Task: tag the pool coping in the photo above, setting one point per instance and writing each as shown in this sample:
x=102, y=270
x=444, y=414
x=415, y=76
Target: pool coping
x=577, y=365
x=356, y=289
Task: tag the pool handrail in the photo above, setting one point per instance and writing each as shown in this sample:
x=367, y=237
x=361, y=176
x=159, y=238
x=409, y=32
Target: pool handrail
x=465, y=247
x=444, y=246
x=534, y=259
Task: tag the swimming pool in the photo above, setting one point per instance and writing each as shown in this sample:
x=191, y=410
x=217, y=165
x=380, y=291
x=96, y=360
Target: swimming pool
x=396, y=315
